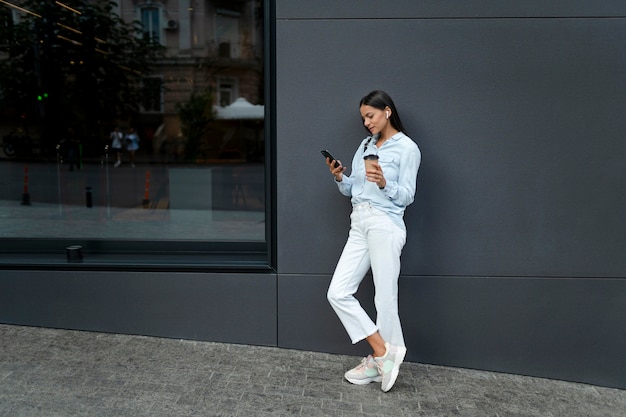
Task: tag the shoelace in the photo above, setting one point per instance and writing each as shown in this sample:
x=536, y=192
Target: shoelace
x=363, y=363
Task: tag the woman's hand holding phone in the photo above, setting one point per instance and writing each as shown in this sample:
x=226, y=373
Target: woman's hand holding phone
x=335, y=166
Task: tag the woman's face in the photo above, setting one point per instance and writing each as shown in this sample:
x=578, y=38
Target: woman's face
x=374, y=119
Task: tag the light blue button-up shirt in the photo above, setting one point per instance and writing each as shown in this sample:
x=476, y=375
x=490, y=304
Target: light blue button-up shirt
x=399, y=157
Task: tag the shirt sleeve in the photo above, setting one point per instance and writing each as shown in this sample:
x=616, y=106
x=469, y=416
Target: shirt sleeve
x=402, y=191
x=345, y=185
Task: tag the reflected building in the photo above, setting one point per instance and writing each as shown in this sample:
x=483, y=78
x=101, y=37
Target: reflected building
x=214, y=46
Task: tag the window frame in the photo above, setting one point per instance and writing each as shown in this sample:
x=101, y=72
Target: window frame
x=233, y=90
x=158, y=9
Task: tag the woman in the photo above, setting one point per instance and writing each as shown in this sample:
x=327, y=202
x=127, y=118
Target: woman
x=116, y=144
x=377, y=235
x=132, y=144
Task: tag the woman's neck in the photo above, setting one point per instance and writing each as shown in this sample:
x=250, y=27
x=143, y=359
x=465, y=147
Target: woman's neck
x=385, y=135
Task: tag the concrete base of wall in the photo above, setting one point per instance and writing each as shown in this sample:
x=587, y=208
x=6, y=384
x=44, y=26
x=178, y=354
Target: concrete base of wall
x=233, y=308
x=568, y=329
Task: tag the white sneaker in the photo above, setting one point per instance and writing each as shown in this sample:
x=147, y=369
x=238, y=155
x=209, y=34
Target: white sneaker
x=364, y=373
x=389, y=365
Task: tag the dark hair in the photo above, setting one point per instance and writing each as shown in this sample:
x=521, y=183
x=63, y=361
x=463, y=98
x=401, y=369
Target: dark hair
x=381, y=100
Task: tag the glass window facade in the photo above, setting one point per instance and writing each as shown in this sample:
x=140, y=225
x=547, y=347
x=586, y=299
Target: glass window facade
x=135, y=141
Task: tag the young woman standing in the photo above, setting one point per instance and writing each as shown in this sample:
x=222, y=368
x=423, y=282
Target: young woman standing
x=379, y=196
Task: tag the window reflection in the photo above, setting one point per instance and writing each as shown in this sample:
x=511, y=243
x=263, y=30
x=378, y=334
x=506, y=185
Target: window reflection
x=185, y=90
x=151, y=22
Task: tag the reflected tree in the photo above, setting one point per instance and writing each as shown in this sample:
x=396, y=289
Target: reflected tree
x=75, y=63
x=195, y=117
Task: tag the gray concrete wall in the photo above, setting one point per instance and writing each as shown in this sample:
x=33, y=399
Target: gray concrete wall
x=516, y=248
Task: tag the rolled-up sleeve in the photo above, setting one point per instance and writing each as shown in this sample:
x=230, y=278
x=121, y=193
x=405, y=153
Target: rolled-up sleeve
x=402, y=191
x=345, y=185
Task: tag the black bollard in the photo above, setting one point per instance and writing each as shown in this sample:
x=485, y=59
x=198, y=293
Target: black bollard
x=88, y=197
x=74, y=253
x=25, y=194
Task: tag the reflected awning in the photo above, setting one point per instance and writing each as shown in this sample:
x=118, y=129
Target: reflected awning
x=241, y=109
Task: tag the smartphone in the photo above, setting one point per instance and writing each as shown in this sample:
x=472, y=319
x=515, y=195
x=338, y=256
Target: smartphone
x=332, y=158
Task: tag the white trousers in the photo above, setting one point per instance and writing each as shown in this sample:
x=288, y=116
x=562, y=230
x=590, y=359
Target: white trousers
x=374, y=241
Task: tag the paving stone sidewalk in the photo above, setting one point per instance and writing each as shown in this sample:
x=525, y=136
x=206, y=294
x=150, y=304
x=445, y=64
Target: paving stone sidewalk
x=48, y=372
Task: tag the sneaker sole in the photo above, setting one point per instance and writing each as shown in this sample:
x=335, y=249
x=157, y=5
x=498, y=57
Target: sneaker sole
x=364, y=381
x=396, y=370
